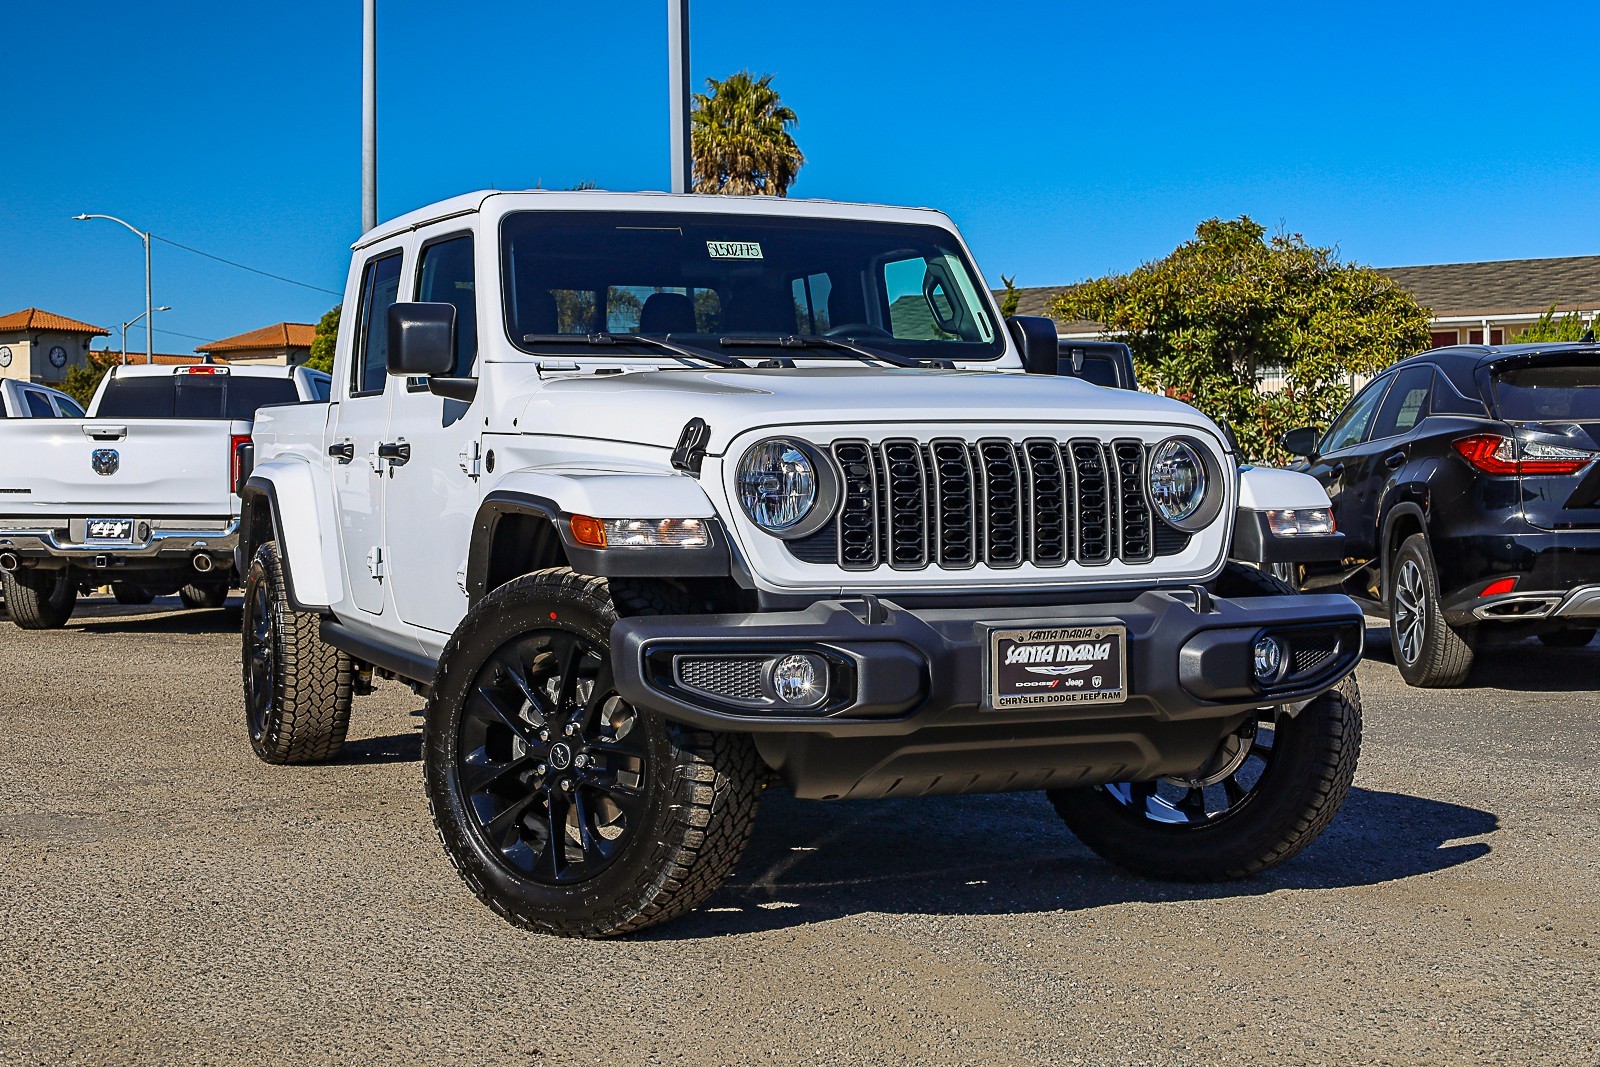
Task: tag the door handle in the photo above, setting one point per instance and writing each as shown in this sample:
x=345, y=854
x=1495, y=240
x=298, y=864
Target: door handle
x=397, y=453
x=344, y=451
x=1395, y=460
x=1335, y=470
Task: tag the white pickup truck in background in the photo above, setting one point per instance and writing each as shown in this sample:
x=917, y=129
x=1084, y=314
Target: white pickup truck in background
x=24, y=400
x=140, y=494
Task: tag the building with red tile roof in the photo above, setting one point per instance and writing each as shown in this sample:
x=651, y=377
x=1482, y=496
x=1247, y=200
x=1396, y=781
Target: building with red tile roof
x=41, y=346
x=282, y=343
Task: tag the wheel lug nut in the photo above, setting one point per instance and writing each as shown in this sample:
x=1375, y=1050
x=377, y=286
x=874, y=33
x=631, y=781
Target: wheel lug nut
x=580, y=761
x=571, y=729
x=539, y=769
x=544, y=735
x=566, y=785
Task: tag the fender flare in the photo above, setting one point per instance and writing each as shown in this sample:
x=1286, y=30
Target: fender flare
x=555, y=496
x=287, y=488
x=1403, y=508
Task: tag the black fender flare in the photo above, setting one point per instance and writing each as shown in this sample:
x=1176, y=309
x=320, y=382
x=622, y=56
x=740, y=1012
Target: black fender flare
x=1400, y=510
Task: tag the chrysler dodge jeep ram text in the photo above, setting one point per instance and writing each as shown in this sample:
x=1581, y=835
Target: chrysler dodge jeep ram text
x=662, y=499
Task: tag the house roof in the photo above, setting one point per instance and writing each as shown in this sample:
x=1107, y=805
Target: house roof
x=1503, y=286
x=161, y=359
x=278, y=335
x=35, y=319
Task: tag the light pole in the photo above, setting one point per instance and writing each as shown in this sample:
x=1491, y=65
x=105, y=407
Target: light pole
x=678, y=98
x=149, y=327
x=369, y=115
x=148, y=359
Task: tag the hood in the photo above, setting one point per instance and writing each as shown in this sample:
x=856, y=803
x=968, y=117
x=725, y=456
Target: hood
x=651, y=407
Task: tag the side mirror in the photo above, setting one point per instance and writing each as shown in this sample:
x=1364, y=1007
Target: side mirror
x=422, y=339
x=1036, y=337
x=1301, y=442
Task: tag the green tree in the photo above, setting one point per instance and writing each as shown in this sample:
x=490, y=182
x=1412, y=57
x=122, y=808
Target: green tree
x=1008, y=303
x=324, y=341
x=741, y=143
x=81, y=382
x=1204, y=320
x=1551, y=327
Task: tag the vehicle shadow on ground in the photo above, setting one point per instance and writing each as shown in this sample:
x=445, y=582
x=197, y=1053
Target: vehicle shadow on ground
x=1010, y=854
x=393, y=748
x=1522, y=666
x=164, y=616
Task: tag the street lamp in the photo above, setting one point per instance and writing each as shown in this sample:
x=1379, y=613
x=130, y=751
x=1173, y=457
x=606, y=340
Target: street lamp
x=148, y=359
x=149, y=327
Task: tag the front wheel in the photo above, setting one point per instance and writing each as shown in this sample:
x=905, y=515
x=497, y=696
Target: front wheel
x=1270, y=790
x=564, y=808
x=39, y=600
x=1430, y=653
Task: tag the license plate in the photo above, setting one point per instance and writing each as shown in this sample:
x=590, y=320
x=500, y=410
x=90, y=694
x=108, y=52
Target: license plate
x=108, y=530
x=1067, y=665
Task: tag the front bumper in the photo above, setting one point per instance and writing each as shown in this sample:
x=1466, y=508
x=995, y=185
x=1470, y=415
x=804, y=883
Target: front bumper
x=155, y=543
x=910, y=707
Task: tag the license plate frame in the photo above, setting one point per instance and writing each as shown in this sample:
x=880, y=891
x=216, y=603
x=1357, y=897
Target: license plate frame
x=1085, y=665
x=102, y=531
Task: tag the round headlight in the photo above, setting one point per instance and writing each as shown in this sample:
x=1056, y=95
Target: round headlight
x=779, y=484
x=1179, y=484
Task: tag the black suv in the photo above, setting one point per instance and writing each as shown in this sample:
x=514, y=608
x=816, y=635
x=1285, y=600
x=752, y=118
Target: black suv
x=1465, y=483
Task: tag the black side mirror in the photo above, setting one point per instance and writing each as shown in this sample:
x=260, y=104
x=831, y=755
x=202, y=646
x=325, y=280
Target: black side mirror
x=1036, y=336
x=1301, y=442
x=422, y=339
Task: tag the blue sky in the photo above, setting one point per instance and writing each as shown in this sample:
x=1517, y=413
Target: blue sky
x=1066, y=139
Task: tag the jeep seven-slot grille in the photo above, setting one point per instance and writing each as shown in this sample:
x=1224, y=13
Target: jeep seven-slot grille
x=954, y=504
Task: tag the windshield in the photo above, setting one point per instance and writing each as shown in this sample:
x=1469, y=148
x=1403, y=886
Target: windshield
x=1546, y=392
x=192, y=396
x=904, y=289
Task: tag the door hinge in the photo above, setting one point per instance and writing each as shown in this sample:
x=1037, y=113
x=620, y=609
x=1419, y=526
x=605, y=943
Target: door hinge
x=375, y=562
x=471, y=459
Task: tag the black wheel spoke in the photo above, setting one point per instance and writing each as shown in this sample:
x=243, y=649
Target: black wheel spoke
x=1261, y=751
x=518, y=676
x=1193, y=804
x=554, y=858
x=486, y=697
x=478, y=777
x=588, y=840
x=1234, y=790
x=503, y=830
x=599, y=695
x=566, y=689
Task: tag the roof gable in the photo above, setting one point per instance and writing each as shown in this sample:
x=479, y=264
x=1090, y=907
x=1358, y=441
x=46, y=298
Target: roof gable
x=278, y=335
x=35, y=319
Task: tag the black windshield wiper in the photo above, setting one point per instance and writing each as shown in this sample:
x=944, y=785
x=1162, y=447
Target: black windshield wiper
x=677, y=349
x=859, y=351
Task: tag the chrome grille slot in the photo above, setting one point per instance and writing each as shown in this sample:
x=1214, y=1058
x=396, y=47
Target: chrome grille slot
x=953, y=504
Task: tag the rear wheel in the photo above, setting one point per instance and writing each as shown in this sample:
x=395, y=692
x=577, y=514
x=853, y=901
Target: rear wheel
x=204, y=595
x=564, y=808
x=1430, y=653
x=1573, y=637
x=40, y=600
x=128, y=593
x=1273, y=785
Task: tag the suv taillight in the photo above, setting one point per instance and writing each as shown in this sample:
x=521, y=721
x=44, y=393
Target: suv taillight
x=1494, y=454
x=237, y=443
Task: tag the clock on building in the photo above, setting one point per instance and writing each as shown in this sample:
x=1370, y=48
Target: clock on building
x=5, y=356
x=58, y=357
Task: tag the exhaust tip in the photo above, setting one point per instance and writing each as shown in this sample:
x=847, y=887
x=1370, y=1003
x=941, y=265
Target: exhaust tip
x=9, y=562
x=203, y=563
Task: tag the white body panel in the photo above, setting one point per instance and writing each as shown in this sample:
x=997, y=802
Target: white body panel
x=1261, y=488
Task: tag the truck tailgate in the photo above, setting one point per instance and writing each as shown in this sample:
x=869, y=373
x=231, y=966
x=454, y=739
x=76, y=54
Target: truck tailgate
x=145, y=468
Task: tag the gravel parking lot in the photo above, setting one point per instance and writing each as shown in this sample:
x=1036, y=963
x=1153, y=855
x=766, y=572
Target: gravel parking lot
x=164, y=897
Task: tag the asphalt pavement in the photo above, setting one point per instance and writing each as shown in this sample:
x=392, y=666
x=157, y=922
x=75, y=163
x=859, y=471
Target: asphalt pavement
x=166, y=898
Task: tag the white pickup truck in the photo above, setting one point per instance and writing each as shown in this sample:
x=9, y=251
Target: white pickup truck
x=24, y=400
x=141, y=493
x=661, y=499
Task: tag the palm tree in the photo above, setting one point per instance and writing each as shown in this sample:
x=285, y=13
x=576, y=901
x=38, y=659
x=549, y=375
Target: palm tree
x=741, y=143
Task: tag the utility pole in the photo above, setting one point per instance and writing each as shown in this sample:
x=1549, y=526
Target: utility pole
x=369, y=114
x=678, y=76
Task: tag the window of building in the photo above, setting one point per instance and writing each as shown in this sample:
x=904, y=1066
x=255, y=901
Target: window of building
x=1496, y=337
x=1444, y=338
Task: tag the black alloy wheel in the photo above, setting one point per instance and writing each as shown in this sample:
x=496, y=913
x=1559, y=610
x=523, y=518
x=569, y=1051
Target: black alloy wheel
x=549, y=758
x=1218, y=791
x=260, y=661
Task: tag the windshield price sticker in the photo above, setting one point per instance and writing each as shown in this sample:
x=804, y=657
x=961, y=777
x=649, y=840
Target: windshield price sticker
x=1069, y=665
x=734, y=249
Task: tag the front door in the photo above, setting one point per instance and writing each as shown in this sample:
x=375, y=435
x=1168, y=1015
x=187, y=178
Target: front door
x=431, y=497
x=359, y=427
x=1341, y=465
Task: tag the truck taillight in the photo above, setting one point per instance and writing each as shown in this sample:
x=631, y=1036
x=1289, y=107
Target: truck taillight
x=1494, y=454
x=237, y=443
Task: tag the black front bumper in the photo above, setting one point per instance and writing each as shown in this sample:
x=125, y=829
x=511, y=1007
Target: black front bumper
x=909, y=707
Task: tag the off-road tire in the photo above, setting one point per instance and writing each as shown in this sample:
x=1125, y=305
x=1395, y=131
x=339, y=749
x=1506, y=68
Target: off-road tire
x=131, y=594
x=701, y=788
x=208, y=595
x=1572, y=637
x=311, y=681
x=1314, y=762
x=1242, y=580
x=1445, y=656
x=39, y=600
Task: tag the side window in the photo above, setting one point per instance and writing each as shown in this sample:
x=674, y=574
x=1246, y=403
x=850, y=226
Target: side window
x=1406, y=404
x=39, y=405
x=445, y=277
x=1351, y=427
x=70, y=408
x=380, y=289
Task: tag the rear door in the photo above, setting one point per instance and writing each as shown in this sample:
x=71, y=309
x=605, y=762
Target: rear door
x=359, y=427
x=1384, y=455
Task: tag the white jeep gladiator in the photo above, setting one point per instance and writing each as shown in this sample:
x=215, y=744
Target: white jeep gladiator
x=662, y=499
x=140, y=494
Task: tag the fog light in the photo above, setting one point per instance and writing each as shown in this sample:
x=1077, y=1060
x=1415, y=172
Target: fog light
x=798, y=680
x=1269, y=657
